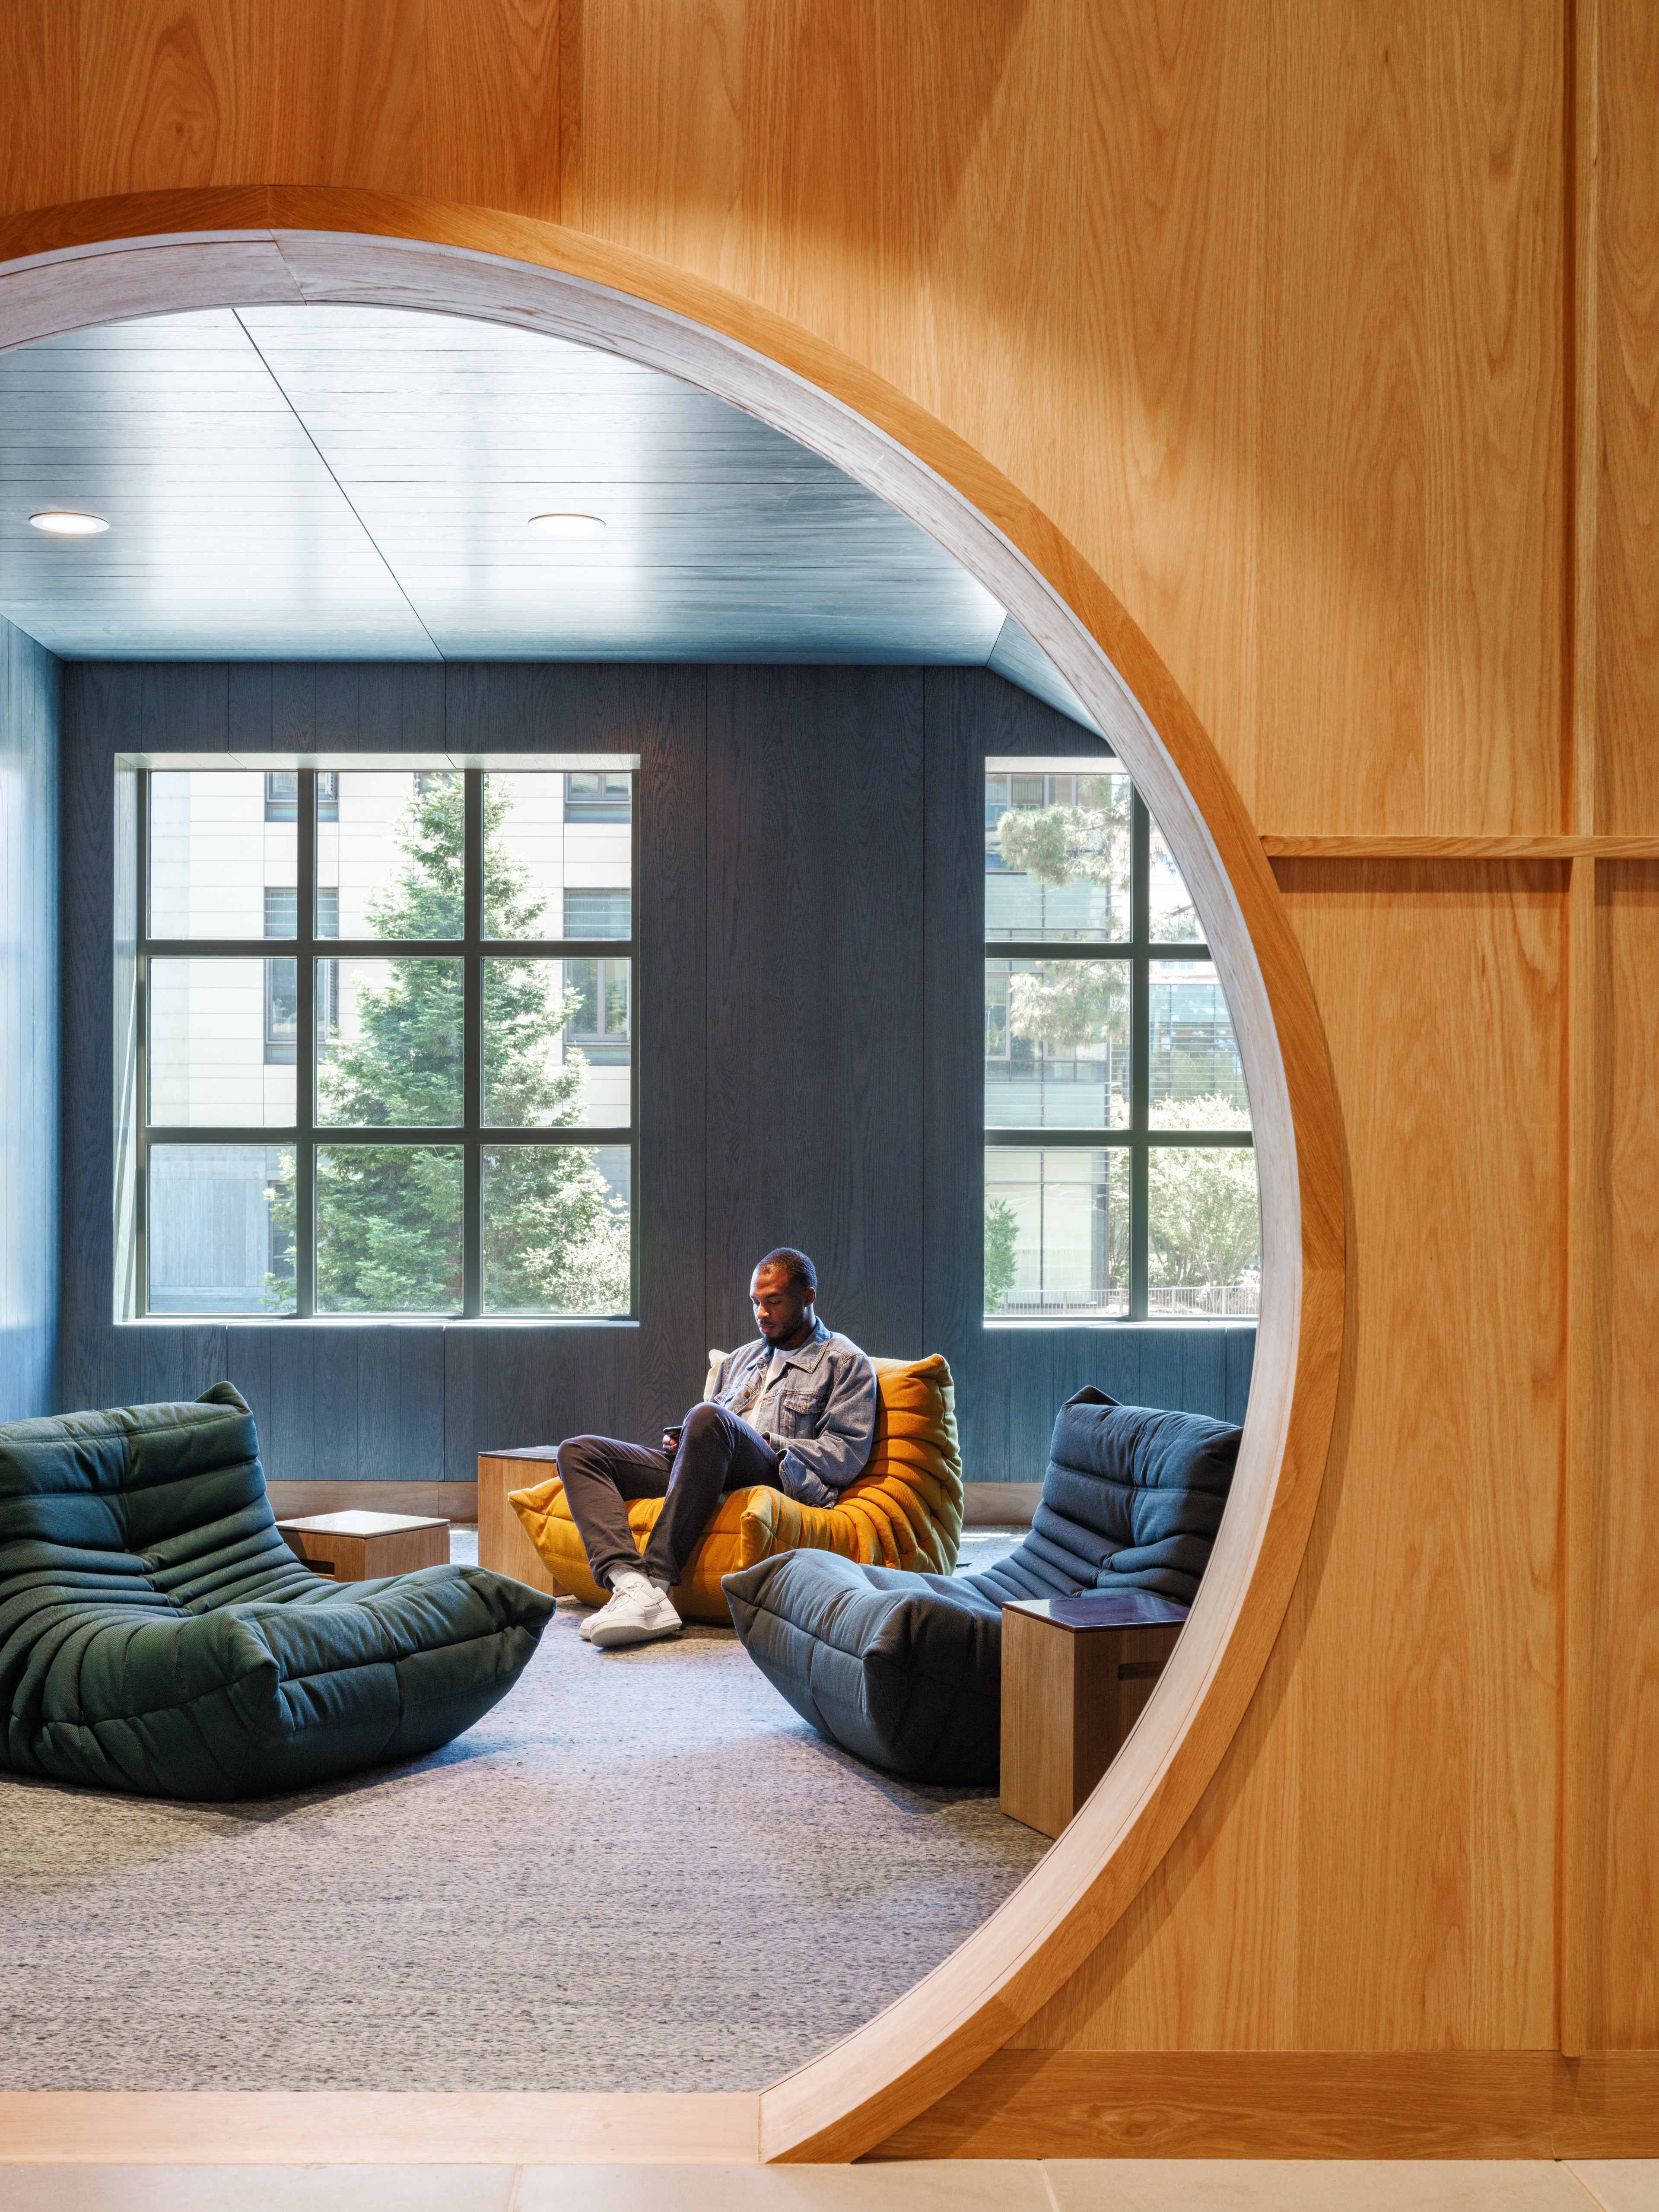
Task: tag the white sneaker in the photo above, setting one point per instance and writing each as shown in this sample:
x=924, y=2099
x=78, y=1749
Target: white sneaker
x=585, y=1626
x=639, y=1612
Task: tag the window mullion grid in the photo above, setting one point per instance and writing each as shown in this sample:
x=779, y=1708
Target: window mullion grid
x=1140, y=1033
x=472, y=925
x=307, y=948
x=304, y=1049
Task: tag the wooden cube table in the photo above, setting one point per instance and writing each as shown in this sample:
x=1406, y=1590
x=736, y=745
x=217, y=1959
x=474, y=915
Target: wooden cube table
x=1076, y=1672
x=502, y=1542
x=360, y=1547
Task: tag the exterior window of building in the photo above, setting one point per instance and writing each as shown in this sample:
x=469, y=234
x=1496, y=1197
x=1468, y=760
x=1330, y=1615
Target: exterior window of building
x=597, y=914
x=596, y=796
x=1119, y=1172
x=282, y=795
x=281, y=976
x=385, y=1050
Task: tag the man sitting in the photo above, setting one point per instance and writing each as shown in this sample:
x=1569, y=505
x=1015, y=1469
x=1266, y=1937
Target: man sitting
x=794, y=1411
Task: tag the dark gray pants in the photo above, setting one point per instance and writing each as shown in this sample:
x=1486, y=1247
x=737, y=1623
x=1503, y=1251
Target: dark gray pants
x=718, y=1452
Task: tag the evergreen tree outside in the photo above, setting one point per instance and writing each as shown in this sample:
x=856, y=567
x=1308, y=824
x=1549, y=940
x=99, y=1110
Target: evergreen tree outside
x=555, y=1235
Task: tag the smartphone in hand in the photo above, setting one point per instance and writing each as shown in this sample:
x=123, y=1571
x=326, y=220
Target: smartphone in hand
x=671, y=1438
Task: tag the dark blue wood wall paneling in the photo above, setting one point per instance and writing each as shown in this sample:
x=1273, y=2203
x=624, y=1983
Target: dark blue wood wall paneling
x=664, y=716
x=953, y=1081
x=1030, y=1372
x=106, y=708
x=810, y=934
x=816, y=1117
x=28, y=1024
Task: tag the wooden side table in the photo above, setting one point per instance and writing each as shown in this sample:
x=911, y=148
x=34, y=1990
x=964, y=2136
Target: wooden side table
x=1076, y=1672
x=359, y=1547
x=502, y=1543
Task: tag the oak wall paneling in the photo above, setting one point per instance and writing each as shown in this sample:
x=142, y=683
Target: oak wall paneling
x=457, y=102
x=28, y=1024
x=1397, y=1771
x=1621, y=297
x=1621, y=1900
x=1317, y=2104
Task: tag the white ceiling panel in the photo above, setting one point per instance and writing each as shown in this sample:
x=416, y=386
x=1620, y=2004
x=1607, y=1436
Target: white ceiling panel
x=340, y=481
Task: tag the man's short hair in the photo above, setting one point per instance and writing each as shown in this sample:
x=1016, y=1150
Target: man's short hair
x=801, y=1272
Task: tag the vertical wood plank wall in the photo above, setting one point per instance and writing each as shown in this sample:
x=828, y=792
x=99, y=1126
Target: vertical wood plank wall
x=800, y=990
x=1331, y=336
x=28, y=1024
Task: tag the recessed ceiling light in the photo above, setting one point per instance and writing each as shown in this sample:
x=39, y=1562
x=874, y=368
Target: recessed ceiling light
x=567, y=526
x=59, y=522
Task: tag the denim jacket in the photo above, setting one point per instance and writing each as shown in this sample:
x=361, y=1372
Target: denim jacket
x=819, y=1402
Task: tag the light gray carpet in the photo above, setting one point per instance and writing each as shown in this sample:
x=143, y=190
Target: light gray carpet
x=641, y=1871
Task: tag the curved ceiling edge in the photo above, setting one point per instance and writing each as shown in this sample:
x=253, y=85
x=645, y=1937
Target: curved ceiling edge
x=104, y=261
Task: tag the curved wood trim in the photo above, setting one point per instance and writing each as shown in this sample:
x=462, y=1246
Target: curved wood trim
x=98, y=261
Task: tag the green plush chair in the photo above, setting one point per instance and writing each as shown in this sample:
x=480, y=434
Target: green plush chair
x=157, y=1635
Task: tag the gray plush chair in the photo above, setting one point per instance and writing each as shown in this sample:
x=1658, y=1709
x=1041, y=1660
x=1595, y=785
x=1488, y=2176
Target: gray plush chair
x=905, y=1670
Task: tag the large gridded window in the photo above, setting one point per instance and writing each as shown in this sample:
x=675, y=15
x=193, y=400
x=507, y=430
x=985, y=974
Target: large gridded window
x=386, y=1031
x=1119, y=1173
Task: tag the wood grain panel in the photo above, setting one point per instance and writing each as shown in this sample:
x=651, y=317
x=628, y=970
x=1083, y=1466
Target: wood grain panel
x=1368, y=2104
x=815, y=993
x=172, y=96
x=955, y=736
x=666, y=721
x=421, y=96
x=1344, y=431
x=503, y=1543
x=1380, y=846
x=102, y=706
x=276, y=2127
x=1621, y=1902
x=1624, y=300
x=493, y=108
x=1069, y=1699
x=1307, y=333
x=450, y=1501
x=38, y=64
x=1397, y=1772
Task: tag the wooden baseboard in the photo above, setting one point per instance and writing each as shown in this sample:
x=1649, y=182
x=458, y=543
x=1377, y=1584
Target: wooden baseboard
x=1022, y=2104
x=1442, y=2103
x=327, y=2127
x=452, y=1501
x=999, y=1504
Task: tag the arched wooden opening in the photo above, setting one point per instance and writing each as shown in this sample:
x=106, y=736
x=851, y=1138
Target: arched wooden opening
x=107, y=261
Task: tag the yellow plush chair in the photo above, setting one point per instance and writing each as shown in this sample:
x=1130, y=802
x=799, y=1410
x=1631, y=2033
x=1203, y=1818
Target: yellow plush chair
x=904, y=1510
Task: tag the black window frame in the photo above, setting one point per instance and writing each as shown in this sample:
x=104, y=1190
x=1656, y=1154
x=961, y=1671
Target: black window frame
x=310, y=951
x=1138, y=951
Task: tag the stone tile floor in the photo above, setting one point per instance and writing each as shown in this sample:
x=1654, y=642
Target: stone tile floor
x=989, y=2185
